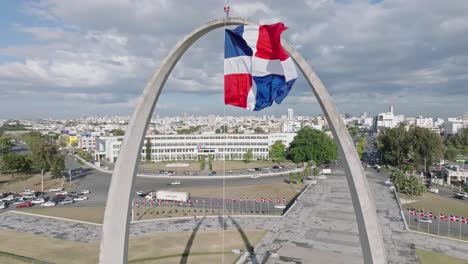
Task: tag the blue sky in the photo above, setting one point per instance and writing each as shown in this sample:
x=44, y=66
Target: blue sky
x=61, y=58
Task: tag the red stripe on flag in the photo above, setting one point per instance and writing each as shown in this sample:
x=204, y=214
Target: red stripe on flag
x=269, y=42
x=236, y=89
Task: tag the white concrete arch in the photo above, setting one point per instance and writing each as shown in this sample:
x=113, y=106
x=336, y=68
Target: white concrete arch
x=114, y=243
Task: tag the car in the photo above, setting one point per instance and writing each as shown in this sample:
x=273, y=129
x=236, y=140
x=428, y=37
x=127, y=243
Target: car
x=80, y=198
x=3, y=205
x=388, y=182
x=424, y=220
x=391, y=188
x=433, y=190
x=85, y=192
x=24, y=205
x=59, y=196
x=29, y=196
x=462, y=195
x=67, y=201
x=250, y=170
x=255, y=176
x=275, y=167
x=140, y=193
x=280, y=206
x=27, y=192
x=48, y=204
x=175, y=183
x=9, y=198
x=72, y=193
x=38, y=201
x=61, y=193
x=184, y=204
x=230, y=171
x=56, y=189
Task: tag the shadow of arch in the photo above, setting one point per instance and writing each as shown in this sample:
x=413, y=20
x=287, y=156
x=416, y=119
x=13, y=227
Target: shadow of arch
x=114, y=243
x=189, y=244
x=247, y=244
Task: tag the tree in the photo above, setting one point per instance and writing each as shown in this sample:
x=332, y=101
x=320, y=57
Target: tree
x=16, y=162
x=409, y=185
x=58, y=166
x=202, y=162
x=295, y=177
x=426, y=146
x=394, y=144
x=312, y=144
x=74, y=144
x=248, y=155
x=259, y=130
x=316, y=171
x=148, y=150
x=451, y=153
x=277, y=152
x=5, y=145
x=210, y=162
x=353, y=131
x=117, y=132
x=360, y=146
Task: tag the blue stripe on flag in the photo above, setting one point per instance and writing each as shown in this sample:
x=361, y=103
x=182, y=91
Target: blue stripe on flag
x=234, y=44
x=271, y=88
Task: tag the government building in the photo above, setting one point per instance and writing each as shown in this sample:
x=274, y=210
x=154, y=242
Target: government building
x=191, y=147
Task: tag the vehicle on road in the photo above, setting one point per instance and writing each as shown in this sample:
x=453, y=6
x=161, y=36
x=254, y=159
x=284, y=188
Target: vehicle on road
x=48, y=204
x=56, y=189
x=433, y=190
x=184, y=204
x=80, y=198
x=391, y=188
x=275, y=167
x=250, y=170
x=24, y=205
x=424, y=220
x=85, y=191
x=280, y=206
x=255, y=176
x=3, y=205
x=67, y=201
x=175, y=183
x=388, y=182
x=230, y=171
x=140, y=193
x=461, y=195
x=168, y=196
x=38, y=201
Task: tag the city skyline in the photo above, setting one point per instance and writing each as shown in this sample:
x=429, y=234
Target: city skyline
x=60, y=61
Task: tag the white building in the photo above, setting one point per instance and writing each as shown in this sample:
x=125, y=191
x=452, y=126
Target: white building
x=424, y=122
x=387, y=120
x=290, y=114
x=190, y=147
x=452, y=127
x=455, y=172
x=291, y=127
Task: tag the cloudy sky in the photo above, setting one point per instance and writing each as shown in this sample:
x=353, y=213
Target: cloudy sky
x=61, y=58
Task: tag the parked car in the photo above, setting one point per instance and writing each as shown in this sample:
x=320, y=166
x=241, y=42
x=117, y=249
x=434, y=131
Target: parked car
x=280, y=206
x=29, y=196
x=38, y=201
x=85, y=191
x=255, y=176
x=56, y=189
x=67, y=201
x=275, y=167
x=80, y=198
x=61, y=193
x=9, y=198
x=24, y=205
x=3, y=205
x=28, y=192
x=433, y=190
x=73, y=193
x=48, y=204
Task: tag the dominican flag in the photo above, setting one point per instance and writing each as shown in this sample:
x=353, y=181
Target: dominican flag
x=443, y=217
x=257, y=70
x=412, y=212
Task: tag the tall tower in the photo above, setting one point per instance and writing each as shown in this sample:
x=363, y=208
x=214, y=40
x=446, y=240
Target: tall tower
x=290, y=115
x=390, y=109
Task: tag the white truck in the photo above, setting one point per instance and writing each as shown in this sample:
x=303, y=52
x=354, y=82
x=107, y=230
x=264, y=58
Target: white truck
x=168, y=196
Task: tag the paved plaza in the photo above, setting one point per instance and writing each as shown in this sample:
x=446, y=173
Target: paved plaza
x=320, y=228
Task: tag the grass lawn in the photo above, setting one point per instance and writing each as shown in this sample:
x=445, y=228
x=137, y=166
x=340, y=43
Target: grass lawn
x=429, y=257
x=218, y=165
x=154, y=167
x=160, y=248
x=20, y=182
x=273, y=190
x=437, y=204
x=88, y=214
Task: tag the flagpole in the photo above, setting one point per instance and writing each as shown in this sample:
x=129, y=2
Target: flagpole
x=438, y=224
x=448, y=234
x=459, y=229
x=133, y=210
x=409, y=217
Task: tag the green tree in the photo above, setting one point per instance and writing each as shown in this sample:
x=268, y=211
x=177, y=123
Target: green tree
x=451, y=153
x=277, y=151
x=426, y=146
x=353, y=131
x=312, y=144
x=58, y=166
x=316, y=171
x=16, y=162
x=248, y=155
x=210, y=162
x=74, y=144
x=202, y=162
x=259, y=130
x=5, y=145
x=360, y=146
x=117, y=132
x=148, y=150
x=394, y=144
x=295, y=177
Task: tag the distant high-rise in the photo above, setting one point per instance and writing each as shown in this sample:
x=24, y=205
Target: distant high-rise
x=390, y=109
x=290, y=115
